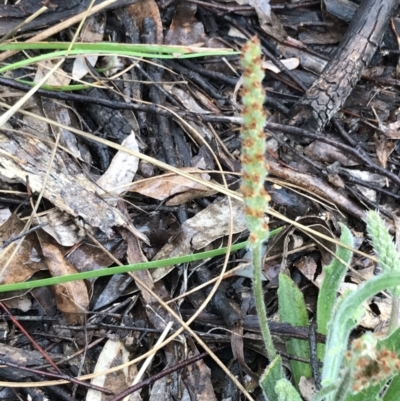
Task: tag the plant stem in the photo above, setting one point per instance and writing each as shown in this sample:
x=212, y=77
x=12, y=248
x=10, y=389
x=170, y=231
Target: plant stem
x=257, y=255
x=394, y=315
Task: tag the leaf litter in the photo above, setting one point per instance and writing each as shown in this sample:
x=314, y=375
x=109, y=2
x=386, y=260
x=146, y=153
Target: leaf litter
x=102, y=207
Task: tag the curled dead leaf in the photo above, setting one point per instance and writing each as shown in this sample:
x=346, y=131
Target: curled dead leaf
x=72, y=298
x=175, y=188
x=27, y=260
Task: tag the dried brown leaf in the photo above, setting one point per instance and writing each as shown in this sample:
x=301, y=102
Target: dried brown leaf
x=175, y=188
x=384, y=148
x=147, y=8
x=199, y=231
x=61, y=227
x=307, y=266
x=393, y=130
x=59, y=78
x=23, y=303
x=269, y=22
x=327, y=153
x=307, y=388
x=113, y=354
x=27, y=260
x=186, y=98
x=92, y=31
x=122, y=169
x=58, y=111
x=72, y=298
x=185, y=29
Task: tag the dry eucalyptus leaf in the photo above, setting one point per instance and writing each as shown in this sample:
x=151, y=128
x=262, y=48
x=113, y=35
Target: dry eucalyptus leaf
x=186, y=98
x=58, y=78
x=44, y=297
x=384, y=148
x=23, y=303
x=61, y=227
x=147, y=8
x=269, y=22
x=122, y=169
x=290, y=63
x=113, y=354
x=393, y=130
x=72, y=298
x=175, y=188
x=92, y=31
x=185, y=29
x=81, y=68
x=89, y=257
x=307, y=388
x=307, y=266
x=309, y=62
x=58, y=111
x=203, y=100
x=199, y=231
x=27, y=260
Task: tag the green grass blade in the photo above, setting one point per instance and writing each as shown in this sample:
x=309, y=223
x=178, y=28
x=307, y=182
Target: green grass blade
x=151, y=50
x=124, y=269
x=78, y=51
x=324, y=392
x=119, y=269
x=65, y=88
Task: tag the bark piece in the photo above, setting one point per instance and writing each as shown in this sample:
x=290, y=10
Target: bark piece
x=67, y=187
x=328, y=93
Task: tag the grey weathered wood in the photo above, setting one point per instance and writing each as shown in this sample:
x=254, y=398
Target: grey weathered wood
x=329, y=92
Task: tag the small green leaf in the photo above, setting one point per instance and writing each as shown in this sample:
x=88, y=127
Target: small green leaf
x=393, y=391
x=270, y=378
x=292, y=309
x=325, y=391
x=333, y=275
x=286, y=392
